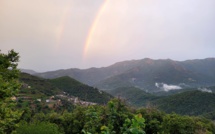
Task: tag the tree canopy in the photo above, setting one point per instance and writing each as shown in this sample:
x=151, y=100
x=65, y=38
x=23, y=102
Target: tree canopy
x=9, y=86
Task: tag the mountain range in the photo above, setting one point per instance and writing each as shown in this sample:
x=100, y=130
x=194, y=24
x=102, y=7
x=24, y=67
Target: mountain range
x=28, y=71
x=147, y=74
x=181, y=101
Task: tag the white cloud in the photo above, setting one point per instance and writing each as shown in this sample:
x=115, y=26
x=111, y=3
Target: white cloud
x=167, y=87
x=205, y=90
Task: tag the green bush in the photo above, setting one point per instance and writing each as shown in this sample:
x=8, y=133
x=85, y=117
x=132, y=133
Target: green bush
x=38, y=128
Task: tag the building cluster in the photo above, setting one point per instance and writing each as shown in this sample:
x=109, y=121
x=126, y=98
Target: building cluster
x=75, y=100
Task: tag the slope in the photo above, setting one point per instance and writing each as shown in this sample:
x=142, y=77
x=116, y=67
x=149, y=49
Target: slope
x=134, y=96
x=188, y=103
x=80, y=90
x=37, y=87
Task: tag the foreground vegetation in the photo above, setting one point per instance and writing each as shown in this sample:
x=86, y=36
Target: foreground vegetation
x=114, y=118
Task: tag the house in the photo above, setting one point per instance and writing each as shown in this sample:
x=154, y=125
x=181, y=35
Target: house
x=13, y=98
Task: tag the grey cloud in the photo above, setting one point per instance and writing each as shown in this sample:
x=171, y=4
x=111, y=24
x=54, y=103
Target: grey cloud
x=205, y=90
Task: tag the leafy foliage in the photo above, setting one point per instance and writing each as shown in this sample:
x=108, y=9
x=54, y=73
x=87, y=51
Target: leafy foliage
x=9, y=86
x=38, y=128
x=118, y=118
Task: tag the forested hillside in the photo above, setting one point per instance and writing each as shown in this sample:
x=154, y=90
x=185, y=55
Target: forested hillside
x=84, y=92
x=35, y=86
x=198, y=102
x=188, y=103
x=134, y=96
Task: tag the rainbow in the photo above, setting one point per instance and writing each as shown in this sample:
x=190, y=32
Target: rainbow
x=61, y=27
x=94, y=25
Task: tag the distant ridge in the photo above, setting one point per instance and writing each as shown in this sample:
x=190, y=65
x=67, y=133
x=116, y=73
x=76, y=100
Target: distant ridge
x=144, y=74
x=28, y=71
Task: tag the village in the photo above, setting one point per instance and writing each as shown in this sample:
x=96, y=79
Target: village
x=50, y=101
x=55, y=100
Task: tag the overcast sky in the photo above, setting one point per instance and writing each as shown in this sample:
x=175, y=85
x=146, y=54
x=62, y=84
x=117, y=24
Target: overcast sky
x=61, y=34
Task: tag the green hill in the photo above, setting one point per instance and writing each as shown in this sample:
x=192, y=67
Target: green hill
x=134, y=96
x=77, y=89
x=185, y=101
x=188, y=103
x=37, y=87
x=35, y=92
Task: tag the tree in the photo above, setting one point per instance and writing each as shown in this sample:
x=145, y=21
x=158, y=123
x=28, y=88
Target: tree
x=9, y=86
x=153, y=119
